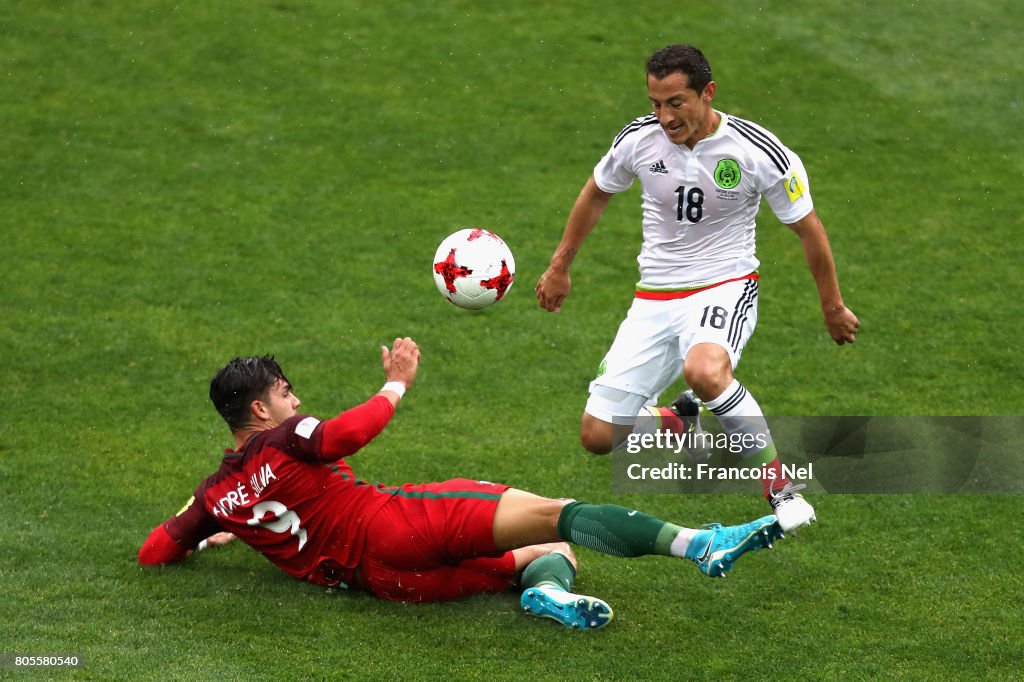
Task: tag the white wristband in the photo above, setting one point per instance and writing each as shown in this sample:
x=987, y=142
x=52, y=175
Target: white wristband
x=395, y=387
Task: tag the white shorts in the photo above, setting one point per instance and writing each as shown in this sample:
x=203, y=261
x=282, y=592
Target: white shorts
x=649, y=348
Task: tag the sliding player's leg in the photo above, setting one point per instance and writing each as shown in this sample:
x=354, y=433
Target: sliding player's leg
x=523, y=518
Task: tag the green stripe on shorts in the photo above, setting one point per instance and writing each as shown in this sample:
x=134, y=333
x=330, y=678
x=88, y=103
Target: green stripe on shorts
x=456, y=494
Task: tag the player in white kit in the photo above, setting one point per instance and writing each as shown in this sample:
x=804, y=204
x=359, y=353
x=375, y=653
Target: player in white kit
x=703, y=174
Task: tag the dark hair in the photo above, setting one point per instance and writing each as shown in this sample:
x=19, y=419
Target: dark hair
x=240, y=382
x=684, y=59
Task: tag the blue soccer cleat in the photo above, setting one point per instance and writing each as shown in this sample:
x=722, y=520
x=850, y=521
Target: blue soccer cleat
x=717, y=547
x=575, y=611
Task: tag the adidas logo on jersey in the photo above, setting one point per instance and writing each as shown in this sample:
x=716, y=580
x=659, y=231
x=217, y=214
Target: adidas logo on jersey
x=659, y=167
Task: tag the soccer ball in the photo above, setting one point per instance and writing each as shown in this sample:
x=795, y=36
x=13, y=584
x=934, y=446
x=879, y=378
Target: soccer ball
x=474, y=268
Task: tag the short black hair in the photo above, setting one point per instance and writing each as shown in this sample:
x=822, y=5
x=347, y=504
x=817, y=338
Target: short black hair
x=684, y=59
x=240, y=382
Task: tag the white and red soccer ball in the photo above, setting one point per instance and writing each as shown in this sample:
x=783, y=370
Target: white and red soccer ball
x=474, y=268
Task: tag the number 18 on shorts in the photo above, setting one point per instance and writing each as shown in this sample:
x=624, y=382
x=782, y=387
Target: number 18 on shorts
x=648, y=351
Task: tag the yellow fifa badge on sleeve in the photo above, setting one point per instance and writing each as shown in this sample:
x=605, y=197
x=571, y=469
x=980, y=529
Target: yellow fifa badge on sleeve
x=187, y=505
x=794, y=188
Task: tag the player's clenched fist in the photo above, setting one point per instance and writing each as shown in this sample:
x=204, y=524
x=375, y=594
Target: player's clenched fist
x=842, y=325
x=552, y=288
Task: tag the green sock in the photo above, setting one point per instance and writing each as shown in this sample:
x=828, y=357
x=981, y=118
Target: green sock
x=550, y=569
x=615, y=530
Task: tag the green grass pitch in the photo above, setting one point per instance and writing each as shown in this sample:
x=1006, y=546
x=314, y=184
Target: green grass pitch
x=184, y=182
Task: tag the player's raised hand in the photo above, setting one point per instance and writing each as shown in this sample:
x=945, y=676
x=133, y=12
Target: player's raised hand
x=552, y=288
x=842, y=325
x=401, y=361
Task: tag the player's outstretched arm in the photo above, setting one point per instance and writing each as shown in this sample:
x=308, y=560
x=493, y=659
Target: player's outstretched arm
x=842, y=324
x=351, y=430
x=554, y=285
x=160, y=548
x=192, y=529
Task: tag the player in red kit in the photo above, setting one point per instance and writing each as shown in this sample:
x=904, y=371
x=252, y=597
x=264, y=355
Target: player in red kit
x=287, y=491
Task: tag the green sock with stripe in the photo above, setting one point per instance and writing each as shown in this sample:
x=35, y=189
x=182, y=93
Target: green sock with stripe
x=615, y=530
x=551, y=569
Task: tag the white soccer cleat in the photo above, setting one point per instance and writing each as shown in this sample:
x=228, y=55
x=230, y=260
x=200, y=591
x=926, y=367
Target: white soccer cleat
x=792, y=510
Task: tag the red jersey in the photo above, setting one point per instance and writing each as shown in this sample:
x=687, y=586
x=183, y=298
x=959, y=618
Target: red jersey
x=288, y=494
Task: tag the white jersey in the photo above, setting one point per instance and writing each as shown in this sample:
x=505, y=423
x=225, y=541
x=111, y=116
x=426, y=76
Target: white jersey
x=699, y=205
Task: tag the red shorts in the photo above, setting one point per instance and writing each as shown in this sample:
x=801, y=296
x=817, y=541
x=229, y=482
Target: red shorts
x=434, y=542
